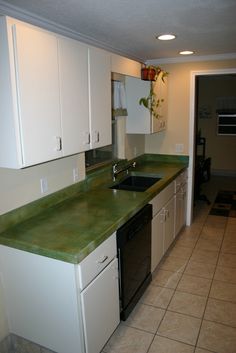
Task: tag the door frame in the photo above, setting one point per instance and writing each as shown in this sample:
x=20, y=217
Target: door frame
x=193, y=76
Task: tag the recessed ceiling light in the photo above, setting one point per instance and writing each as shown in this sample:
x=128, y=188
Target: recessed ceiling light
x=166, y=36
x=186, y=52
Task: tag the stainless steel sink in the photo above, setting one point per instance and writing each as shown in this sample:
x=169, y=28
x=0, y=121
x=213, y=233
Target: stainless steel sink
x=136, y=183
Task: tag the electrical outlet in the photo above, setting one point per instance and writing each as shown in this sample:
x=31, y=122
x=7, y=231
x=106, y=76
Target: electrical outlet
x=179, y=147
x=43, y=185
x=75, y=174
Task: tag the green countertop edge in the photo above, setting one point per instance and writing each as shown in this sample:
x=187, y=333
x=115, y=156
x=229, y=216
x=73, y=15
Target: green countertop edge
x=94, y=179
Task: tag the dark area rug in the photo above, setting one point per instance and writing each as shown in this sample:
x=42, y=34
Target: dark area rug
x=225, y=204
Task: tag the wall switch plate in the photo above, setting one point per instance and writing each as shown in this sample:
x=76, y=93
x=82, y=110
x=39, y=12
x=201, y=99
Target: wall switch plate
x=179, y=147
x=75, y=174
x=43, y=185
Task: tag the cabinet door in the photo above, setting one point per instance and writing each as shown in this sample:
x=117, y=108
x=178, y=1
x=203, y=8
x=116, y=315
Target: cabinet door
x=139, y=118
x=73, y=68
x=157, y=239
x=178, y=212
x=100, y=308
x=160, y=89
x=180, y=208
x=100, y=97
x=169, y=223
x=37, y=86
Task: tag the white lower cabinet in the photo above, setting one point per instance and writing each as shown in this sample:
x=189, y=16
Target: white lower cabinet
x=169, y=219
x=180, y=201
x=42, y=300
x=100, y=308
x=169, y=216
x=157, y=239
x=98, y=282
x=162, y=224
x=47, y=304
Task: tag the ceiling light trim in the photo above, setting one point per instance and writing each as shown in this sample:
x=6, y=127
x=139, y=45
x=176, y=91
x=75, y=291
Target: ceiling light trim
x=166, y=36
x=186, y=52
x=196, y=58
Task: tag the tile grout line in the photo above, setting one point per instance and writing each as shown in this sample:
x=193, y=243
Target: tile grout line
x=208, y=296
x=174, y=291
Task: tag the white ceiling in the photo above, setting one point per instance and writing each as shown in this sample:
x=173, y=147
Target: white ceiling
x=129, y=27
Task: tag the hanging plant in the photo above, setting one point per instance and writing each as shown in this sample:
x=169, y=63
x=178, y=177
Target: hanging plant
x=152, y=102
x=151, y=73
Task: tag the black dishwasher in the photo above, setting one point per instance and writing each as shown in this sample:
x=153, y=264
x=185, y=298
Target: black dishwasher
x=134, y=254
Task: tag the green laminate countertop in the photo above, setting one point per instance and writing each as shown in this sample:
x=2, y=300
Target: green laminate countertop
x=71, y=229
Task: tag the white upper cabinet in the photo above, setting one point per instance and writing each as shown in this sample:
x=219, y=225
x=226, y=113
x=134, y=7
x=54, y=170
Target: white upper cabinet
x=99, y=97
x=139, y=120
x=55, y=95
x=30, y=112
x=73, y=73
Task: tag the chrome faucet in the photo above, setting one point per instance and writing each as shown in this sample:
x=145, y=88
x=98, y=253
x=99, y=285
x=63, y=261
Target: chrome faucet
x=116, y=171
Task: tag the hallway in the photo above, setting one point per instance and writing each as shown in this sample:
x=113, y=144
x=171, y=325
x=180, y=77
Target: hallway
x=190, y=306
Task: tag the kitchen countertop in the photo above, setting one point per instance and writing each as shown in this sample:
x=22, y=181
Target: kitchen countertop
x=72, y=228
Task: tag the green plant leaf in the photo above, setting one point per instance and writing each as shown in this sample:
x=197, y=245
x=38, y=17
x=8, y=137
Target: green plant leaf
x=144, y=102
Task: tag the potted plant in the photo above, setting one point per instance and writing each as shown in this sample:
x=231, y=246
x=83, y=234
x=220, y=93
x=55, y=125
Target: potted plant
x=151, y=101
x=151, y=73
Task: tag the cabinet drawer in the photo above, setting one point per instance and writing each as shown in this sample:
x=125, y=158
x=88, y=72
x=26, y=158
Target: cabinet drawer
x=95, y=262
x=161, y=199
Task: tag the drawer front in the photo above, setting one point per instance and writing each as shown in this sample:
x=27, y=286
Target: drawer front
x=161, y=199
x=95, y=262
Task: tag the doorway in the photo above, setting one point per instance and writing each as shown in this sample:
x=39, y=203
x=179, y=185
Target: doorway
x=192, y=131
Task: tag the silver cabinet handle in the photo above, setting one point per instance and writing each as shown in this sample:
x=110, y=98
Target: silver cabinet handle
x=97, y=136
x=87, y=140
x=58, y=143
x=103, y=259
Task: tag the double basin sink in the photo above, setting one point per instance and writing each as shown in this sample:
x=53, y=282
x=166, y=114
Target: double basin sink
x=136, y=183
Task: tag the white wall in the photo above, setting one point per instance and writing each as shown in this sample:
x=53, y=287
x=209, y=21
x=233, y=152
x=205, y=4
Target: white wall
x=19, y=187
x=179, y=106
x=134, y=145
x=3, y=319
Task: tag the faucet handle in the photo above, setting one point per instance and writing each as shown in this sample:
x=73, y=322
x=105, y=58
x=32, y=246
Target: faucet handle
x=114, y=166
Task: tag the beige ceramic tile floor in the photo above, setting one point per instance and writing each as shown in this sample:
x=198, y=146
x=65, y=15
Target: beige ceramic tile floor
x=190, y=306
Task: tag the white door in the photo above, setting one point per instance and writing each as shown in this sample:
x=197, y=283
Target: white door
x=100, y=97
x=157, y=239
x=73, y=68
x=178, y=212
x=139, y=120
x=169, y=223
x=180, y=208
x=100, y=308
x=37, y=84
